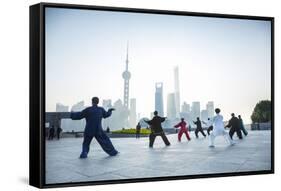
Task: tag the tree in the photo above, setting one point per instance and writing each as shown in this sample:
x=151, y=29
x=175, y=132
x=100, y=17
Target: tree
x=262, y=112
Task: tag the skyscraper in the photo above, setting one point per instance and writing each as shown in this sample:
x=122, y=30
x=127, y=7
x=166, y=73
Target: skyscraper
x=61, y=108
x=119, y=118
x=159, y=98
x=64, y=122
x=171, y=106
x=78, y=106
x=177, y=90
x=126, y=76
x=106, y=104
x=204, y=115
x=195, y=110
x=210, y=108
x=133, y=113
x=185, y=108
x=186, y=113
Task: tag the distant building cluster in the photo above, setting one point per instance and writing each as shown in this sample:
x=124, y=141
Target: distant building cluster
x=175, y=111
x=69, y=125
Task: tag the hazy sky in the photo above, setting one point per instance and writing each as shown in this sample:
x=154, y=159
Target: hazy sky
x=222, y=60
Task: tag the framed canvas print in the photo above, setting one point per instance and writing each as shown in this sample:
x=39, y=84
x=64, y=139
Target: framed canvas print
x=131, y=95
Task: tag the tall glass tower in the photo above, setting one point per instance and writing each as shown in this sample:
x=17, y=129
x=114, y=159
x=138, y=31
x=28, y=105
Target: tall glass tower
x=159, y=98
x=177, y=90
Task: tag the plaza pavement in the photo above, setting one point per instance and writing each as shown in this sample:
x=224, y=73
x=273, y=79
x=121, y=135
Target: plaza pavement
x=136, y=160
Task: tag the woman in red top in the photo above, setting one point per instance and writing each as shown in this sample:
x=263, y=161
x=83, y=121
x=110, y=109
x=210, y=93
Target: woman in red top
x=183, y=129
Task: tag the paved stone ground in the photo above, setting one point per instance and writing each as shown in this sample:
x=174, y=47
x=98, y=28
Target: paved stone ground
x=136, y=160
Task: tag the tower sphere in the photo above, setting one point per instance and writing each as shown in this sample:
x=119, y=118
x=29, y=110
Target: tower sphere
x=126, y=75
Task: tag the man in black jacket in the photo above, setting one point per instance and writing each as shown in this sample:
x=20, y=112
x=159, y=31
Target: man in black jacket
x=234, y=125
x=198, y=127
x=156, y=129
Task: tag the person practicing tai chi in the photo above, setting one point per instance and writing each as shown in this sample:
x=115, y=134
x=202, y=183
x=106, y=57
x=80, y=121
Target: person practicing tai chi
x=209, y=125
x=242, y=127
x=218, y=129
x=198, y=127
x=156, y=129
x=93, y=116
x=183, y=129
x=234, y=125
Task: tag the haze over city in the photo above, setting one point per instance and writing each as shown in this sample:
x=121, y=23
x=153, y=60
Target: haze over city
x=226, y=61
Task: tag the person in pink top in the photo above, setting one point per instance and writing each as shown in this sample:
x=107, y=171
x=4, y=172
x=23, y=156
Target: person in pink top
x=183, y=129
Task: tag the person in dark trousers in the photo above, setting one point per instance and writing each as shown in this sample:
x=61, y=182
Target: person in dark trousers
x=156, y=129
x=59, y=130
x=107, y=130
x=242, y=127
x=198, y=128
x=234, y=125
x=138, y=128
x=93, y=116
x=183, y=129
x=209, y=125
x=51, y=133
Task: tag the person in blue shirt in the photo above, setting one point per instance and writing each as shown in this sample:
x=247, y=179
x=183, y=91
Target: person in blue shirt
x=93, y=116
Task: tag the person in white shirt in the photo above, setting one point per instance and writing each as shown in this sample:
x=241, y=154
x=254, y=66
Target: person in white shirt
x=218, y=129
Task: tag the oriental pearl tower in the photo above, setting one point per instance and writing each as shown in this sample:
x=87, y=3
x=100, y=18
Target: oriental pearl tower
x=126, y=76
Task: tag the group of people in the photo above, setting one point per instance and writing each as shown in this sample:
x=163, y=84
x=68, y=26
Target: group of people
x=95, y=114
x=215, y=128
x=52, y=132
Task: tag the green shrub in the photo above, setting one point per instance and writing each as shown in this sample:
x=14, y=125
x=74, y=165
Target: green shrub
x=262, y=112
x=132, y=131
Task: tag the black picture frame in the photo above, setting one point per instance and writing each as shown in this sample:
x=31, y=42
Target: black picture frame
x=37, y=93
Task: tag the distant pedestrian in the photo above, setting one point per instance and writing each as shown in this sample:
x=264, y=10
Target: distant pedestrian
x=156, y=129
x=138, y=129
x=183, y=129
x=198, y=128
x=51, y=133
x=218, y=129
x=209, y=125
x=242, y=127
x=59, y=130
x=234, y=125
x=107, y=130
x=93, y=116
x=189, y=127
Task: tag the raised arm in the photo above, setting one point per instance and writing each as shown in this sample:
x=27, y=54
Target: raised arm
x=177, y=125
x=108, y=113
x=78, y=115
x=163, y=119
x=148, y=122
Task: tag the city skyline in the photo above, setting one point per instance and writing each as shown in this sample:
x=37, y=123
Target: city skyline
x=222, y=60
x=194, y=112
